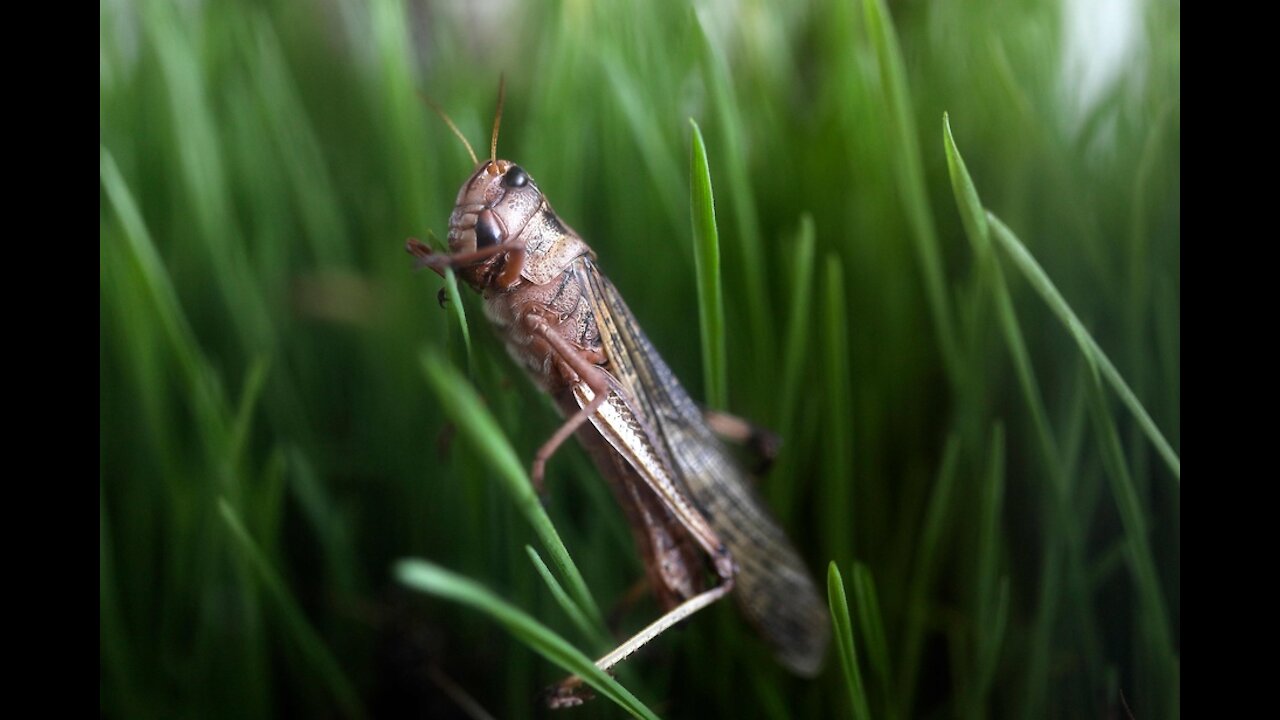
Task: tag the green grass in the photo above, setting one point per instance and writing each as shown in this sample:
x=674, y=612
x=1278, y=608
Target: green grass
x=432, y=579
x=845, y=647
x=953, y=292
x=706, y=257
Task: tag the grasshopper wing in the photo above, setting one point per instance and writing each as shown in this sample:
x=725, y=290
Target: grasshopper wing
x=774, y=590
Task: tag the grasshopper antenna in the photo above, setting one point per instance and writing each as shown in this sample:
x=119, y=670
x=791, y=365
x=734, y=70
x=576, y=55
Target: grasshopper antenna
x=497, y=123
x=431, y=104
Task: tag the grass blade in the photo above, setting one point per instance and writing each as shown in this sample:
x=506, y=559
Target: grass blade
x=209, y=402
x=243, y=422
x=990, y=591
x=974, y=219
x=844, y=643
x=706, y=256
x=798, y=347
x=742, y=204
x=566, y=603
x=309, y=642
x=838, y=520
x=429, y=578
x=783, y=494
x=971, y=213
x=476, y=424
x=660, y=160
x=869, y=619
x=113, y=636
x=1153, y=620
x=455, y=300
x=921, y=582
x=1045, y=287
x=1062, y=558
x=910, y=176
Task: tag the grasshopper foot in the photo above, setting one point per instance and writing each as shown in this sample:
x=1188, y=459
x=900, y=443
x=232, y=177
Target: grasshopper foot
x=425, y=256
x=569, y=693
x=418, y=249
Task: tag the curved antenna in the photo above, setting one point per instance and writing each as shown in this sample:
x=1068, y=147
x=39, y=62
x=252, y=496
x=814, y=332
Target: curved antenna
x=497, y=122
x=431, y=104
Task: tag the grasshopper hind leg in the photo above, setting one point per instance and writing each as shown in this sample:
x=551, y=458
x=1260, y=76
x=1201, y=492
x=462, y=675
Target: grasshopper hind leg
x=571, y=692
x=676, y=564
x=591, y=374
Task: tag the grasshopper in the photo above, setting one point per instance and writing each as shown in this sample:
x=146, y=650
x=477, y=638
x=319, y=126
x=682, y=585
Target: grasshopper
x=688, y=503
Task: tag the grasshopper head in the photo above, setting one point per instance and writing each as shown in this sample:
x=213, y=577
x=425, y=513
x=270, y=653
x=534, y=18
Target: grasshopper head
x=503, y=224
x=493, y=206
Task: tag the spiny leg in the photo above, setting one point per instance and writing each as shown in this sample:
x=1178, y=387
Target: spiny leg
x=570, y=692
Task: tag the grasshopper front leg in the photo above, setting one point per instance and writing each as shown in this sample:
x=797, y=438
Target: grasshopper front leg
x=426, y=257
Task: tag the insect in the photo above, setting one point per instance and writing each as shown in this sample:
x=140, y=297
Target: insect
x=690, y=507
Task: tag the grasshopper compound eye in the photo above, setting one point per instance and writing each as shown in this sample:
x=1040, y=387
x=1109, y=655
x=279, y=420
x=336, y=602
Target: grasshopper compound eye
x=488, y=231
x=516, y=177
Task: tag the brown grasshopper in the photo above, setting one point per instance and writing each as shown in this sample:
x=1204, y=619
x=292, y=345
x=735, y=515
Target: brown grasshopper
x=687, y=501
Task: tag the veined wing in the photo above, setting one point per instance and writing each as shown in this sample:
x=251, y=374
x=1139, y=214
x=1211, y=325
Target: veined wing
x=773, y=590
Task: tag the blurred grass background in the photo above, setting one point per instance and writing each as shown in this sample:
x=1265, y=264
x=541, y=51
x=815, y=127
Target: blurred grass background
x=271, y=443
